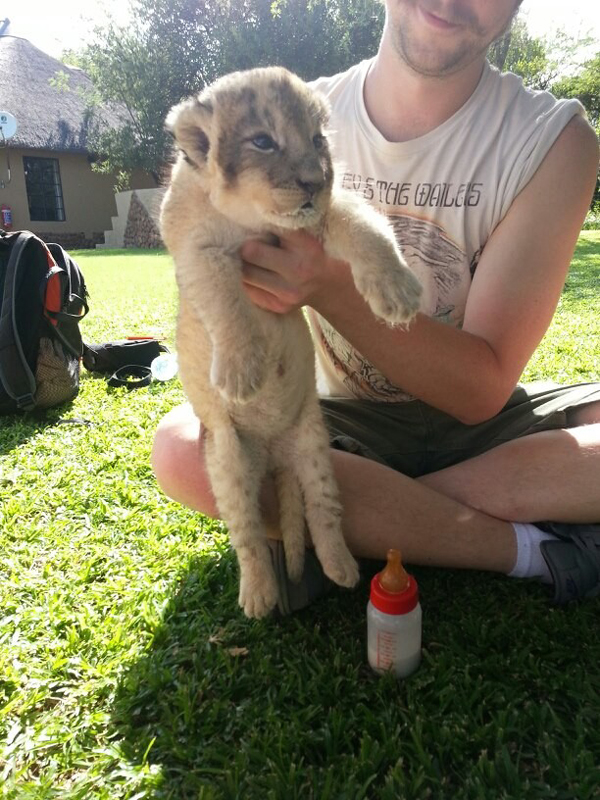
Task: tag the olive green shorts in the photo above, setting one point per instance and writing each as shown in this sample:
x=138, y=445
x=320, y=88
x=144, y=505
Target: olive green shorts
x=416, y=439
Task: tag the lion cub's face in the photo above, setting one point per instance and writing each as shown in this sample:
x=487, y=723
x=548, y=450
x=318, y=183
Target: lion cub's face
x=255, y=141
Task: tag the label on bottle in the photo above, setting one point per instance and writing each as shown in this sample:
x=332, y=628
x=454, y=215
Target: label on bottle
x=394, y=643
x=386, y=649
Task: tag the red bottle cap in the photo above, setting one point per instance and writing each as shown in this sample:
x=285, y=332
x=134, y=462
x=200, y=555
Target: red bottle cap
x=393, y=590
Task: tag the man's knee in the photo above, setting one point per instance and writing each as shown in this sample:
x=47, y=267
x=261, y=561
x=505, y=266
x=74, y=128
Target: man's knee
x=170, y=436
x=178, y=461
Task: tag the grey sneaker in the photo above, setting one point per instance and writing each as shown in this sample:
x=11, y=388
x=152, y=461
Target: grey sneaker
x=312, y=585
x=573, y=560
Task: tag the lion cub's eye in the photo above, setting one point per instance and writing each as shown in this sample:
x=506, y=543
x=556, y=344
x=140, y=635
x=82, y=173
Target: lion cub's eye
x=264, y=142
x=318, y=140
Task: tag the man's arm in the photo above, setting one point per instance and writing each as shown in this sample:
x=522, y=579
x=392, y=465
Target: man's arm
x=468, y=373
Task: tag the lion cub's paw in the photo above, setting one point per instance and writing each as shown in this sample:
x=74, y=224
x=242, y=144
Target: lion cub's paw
x=239, y=375
x=258, y=592
x=394, y=295
x=341, y=569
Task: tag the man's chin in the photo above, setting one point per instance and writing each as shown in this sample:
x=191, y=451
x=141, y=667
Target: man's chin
x=438, y=64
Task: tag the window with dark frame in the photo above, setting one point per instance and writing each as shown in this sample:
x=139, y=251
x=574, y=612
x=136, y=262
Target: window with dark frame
x=44, y=189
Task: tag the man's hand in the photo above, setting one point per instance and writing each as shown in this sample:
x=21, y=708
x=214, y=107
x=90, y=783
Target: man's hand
x=296, y=273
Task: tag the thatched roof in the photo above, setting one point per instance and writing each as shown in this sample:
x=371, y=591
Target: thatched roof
x=48, y=118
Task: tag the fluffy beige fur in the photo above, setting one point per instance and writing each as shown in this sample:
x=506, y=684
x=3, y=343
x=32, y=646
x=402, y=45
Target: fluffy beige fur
x=253, y=162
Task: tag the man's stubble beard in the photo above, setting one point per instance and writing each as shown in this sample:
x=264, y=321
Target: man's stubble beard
x=452, y=63
x=428, y=62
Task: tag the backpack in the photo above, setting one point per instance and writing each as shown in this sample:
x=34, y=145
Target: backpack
x=43, y=298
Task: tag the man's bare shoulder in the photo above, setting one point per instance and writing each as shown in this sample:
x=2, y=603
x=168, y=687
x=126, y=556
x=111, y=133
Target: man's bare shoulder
x=568, y=170
x=579, y=140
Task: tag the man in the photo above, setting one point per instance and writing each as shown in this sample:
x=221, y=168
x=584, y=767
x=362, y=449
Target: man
x=487, y=185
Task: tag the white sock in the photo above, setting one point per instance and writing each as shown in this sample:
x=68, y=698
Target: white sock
x=530, y=562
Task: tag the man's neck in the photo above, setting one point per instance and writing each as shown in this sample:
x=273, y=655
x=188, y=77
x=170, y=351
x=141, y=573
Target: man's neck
x=404, y=105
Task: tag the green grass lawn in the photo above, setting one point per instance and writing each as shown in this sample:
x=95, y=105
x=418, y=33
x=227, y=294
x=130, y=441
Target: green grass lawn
x=128, y=671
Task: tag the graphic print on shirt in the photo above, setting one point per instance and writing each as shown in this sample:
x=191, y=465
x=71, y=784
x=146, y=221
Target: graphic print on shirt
x=443, y=269
x=414, y=194
x=438, y=262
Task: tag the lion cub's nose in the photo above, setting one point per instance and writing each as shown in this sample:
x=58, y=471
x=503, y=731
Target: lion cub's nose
x=311, y=187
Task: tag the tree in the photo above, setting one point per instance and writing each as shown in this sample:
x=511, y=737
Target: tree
x=540, y=61
x=175, y=47
x=516, y=51
x=141, y=70
x=309, y=37
x=585, y=86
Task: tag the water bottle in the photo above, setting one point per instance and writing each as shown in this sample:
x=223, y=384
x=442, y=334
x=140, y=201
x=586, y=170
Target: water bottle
x=164, y=367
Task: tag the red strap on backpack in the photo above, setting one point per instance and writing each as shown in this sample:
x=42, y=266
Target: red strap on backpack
x=54, y=293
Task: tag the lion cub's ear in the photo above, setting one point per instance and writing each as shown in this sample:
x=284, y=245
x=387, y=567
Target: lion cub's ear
x=190, y=122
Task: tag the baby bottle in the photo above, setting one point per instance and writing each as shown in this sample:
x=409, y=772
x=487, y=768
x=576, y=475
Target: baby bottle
x=394, y=620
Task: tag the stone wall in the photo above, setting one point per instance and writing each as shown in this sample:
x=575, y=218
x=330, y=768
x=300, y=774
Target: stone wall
x=73, y=241
x=136, y=223
x=141, y=229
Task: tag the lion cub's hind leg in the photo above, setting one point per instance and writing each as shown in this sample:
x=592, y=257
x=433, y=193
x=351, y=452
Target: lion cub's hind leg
x=322, y=505
x=236, y=469
x=291, y=512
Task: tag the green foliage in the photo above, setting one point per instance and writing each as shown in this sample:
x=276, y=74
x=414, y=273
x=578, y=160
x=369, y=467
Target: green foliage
x=60, y=81
x=538, y=60
x=175, y=47
x=309, y=37
x=592, y=220
x=585, y=86
x=143, y=69
x=127, y=671
x=520, y=53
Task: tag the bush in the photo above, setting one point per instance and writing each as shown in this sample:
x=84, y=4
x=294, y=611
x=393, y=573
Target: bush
x=592, y=220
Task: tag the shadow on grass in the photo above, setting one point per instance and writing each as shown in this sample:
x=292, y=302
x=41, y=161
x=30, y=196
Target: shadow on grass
x=218, y=697
x=222, y=707
x=584, y=275
x=16, y=429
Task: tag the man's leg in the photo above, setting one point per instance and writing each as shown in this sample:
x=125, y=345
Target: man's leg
x=452, y=518
x=552, y=475
x=382, y=508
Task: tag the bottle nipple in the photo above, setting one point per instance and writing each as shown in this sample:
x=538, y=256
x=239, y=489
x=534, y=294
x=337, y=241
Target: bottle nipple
x=394, y=578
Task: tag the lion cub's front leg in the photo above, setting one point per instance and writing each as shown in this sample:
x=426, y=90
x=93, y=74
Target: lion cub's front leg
x=237, y=367
x=356, y=233
x=209, y=281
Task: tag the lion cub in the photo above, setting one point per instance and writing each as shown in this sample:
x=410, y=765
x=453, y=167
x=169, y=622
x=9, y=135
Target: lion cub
x=254, y=162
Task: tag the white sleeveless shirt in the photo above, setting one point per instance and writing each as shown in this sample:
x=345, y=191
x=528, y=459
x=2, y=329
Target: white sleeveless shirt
x=444, y=193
